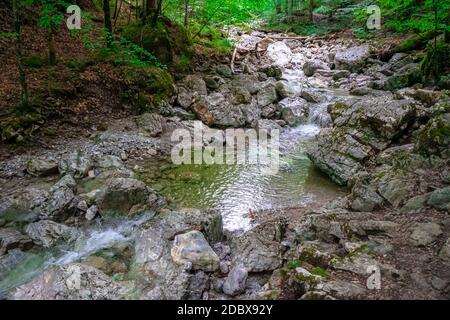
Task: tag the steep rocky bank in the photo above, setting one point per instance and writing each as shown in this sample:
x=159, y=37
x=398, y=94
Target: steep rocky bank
x=383, y=136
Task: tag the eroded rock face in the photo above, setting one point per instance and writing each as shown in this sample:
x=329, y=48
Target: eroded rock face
x=59, y=202
x=259, y=249
x=71, y=282
x=361, y=129
x=192, y=247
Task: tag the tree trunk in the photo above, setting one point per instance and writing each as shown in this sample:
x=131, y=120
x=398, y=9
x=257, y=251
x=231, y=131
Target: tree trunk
x=311, y=7
x=278, y=6
x=108, y=25
x=22, y=77
x=186, y=12
x=51, y=47
x=157, y=12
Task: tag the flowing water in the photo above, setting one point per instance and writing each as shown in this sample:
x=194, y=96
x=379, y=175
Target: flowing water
x=239, y=190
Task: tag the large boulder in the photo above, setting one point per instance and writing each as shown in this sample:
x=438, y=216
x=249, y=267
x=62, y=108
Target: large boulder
x=259, y=253
x=440, y=199
x=267, y=95
x=235, y=282
x=153, y=244
x=192, y=247
x=42, y=167
x=46, y=232
x=71, y=282
x=361, y=129
x=352, y=59
x=59, y=202
x=424, y=234
x=279, y=53
x=223, y=113
x=294, y=110
x=126, y=196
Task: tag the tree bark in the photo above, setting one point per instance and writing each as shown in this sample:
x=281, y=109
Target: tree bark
x=22, y=78
x=108, y=25
x=51, y=47
x=186, y=12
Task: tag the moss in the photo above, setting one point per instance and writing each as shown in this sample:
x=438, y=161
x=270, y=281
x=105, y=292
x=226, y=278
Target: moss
x=415, y=42
x=436, y=61
x=321, y=272
x=292, y=264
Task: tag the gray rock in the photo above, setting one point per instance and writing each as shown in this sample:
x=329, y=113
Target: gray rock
x=352, y=59
x=235, y=282
x=342, y=289
x=224, y=70
x=12, y=239
x=59, y=202
x=151, y=123
x=249, y=82
x=256, y=253
x=91, y=213
x=75, y=164
x=415, y=204
x=42, y=167
x=424, y=234
x=440, y=199
x=272, y=71
x=9, y=261
x=124, y=196
x=190, y=88
x=267, y=95
x=46, y=232
x=192, y=247
x=294, y=110
x=279, y=53
x=71, y=282
x=311, y=66
x=240, y=95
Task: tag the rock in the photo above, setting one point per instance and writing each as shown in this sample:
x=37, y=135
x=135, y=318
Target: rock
x=361, y=127
x=424, y=234
x=342, y=289
x=71, y=282
x=213, y=82
x=75, y=164
x=287, y=89
x=415, y=204
x=240, y=95
x=82, y=206
x=406, y=76
x=190, y=88
x=223, y=113
x=151, y=123
x=46, y=232
x=267, y=125
x=224, y=70
x=312, y=95
x=9, y=261
x=440, y=199
x=249, y=82
x=12, y=239
x=192, y=247
x=201, y=110
x=267, y=95
x=59, y=202
x=42, y=167
x=352, y=59
x=272, y=71
x=311, y=66
x=294, y=110
x=235, y=282
x=279, y=53
x=91, y=213
x=123, y=196
x=153, y=243
x=444, y=254
x=256, y=253
x=358, y=264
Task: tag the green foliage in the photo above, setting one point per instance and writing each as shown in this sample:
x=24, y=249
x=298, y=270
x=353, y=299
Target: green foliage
x=126, y=52
x=292, y=264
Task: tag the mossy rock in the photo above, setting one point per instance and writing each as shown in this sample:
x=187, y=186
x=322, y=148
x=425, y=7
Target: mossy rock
x=165, y=40
x=436, y=61
x=434, y=137
x=13, y=126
